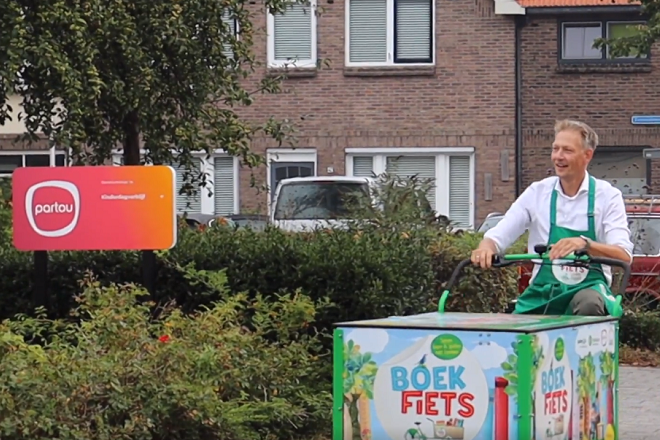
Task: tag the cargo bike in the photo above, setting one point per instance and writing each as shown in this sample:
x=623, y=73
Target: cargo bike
x=480, y=376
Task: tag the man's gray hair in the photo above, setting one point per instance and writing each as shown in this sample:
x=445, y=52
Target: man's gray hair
x=589, y=136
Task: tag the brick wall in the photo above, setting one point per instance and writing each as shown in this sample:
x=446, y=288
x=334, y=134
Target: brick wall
x=603, y=98
x=467, y=99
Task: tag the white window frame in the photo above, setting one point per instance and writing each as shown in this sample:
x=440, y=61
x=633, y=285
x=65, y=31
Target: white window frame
x=442, y=156
x=274, y=155
x=390, y=39
x=51, y=152
x=207, y=165
x=297, y=64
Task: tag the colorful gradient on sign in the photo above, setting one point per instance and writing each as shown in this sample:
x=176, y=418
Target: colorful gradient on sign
x=94, y=208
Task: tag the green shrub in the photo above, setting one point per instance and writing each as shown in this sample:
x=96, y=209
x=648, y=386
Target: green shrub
x=118, y=373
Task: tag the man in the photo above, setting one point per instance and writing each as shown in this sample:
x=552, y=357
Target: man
x=570, y=211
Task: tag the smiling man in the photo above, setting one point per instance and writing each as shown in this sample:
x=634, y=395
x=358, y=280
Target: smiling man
x=570, y=211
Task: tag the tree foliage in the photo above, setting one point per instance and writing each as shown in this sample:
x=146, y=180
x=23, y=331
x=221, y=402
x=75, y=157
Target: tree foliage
x=168, y=77
x=638, y=39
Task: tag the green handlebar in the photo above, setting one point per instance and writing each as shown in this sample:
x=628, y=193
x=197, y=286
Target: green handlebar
x=618, y=310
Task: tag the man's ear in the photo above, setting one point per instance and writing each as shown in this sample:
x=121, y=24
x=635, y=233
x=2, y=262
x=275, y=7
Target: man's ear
x=589, y=153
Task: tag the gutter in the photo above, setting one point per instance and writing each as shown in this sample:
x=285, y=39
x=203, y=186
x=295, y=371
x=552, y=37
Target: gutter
x=520, y=22
x=614, y=9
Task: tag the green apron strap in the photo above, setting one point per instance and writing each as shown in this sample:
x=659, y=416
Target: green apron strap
x=592, y=204
x=553, y=211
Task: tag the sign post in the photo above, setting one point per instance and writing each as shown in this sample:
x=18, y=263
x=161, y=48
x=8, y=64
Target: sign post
x=92, y=208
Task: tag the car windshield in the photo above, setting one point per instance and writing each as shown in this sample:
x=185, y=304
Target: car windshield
x=645, y=234
x=321, y=200
x=490, y=223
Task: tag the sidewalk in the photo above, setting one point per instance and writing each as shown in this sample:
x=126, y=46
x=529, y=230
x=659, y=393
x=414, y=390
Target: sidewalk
x=639, y=402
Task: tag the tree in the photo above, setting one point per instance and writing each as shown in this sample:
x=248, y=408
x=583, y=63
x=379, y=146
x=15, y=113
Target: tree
x=164, y=76
x=359, y=376
x=510, y=368
x=635, y=40
x=607, y=377
x=586, y=389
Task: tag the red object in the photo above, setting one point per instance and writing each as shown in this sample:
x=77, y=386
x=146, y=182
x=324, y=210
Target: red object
x=94, y=208
x=610, y=402
x=164, y=338
x=570, y=416
x=501, y=403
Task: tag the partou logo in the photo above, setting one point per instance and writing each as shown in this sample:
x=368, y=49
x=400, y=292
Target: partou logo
x=53, y=208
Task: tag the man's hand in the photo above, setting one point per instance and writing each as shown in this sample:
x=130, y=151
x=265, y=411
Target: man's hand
x=483, y=255
x=566, y=246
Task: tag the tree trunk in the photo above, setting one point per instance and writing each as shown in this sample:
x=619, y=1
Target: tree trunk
x=132, y=155
x=365, y=417
x=587, y=416
x=355, y=419
x=131, y=139
x=610, y=402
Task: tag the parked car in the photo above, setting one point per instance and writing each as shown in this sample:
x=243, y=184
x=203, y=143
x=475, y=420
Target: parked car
x=491, y=220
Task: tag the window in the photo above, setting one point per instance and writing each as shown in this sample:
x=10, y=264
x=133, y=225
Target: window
x=389, y=32
x=285, y=163
x=645, y=235
x=9, y=161
x=578, y=38
x=230, y=21
x=624, y=167
x=292, y=36
x=222, y=181
x=324, y=200
x=452, y=170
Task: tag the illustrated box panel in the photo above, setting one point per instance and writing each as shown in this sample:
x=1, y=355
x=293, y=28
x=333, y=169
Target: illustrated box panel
x=409, y=384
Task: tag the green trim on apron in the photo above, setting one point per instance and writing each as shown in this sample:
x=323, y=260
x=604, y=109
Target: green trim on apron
x=553, y=288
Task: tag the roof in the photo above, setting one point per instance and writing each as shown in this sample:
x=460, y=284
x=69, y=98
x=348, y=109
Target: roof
x=573, y=3
x=326, y=179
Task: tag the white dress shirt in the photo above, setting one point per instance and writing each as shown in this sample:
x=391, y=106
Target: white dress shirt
x=531, y=211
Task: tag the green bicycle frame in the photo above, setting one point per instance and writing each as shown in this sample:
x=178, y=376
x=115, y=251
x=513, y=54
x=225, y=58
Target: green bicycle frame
x=522, y=258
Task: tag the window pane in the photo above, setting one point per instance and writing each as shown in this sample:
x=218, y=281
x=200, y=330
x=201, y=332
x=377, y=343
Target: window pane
x=413, y=29
x=37, y=160
x=578, y=41
x=367, y=24
x=625, y=170
x=9, y=163
x=293, y=33
x=317, y=200
x=59, y=160
x=624, y=30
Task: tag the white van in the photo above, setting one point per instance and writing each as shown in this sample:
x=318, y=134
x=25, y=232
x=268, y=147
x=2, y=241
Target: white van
x=307, y=203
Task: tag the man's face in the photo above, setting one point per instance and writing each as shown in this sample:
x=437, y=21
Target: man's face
x=569, y=155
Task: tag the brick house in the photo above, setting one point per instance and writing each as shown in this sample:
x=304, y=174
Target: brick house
x=455, y=91
x=563, y=76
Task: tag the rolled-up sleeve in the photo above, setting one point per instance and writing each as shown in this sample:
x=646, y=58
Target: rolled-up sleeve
x=515, y=221
x=615, y=224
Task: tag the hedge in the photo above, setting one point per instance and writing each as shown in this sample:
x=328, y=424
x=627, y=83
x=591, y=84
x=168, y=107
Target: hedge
x=118, y=373
x=363, y=274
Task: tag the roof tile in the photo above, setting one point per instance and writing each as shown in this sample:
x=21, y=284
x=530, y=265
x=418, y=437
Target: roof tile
x=572, y=3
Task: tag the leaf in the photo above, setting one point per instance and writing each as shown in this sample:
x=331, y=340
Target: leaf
x=511, y=390
x=507, y=366
x=512, y=378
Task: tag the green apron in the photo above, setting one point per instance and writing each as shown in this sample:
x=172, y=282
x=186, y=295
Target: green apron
x=553, y=288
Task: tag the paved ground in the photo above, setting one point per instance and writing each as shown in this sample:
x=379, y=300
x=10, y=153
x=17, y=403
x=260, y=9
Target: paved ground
x=639, y=393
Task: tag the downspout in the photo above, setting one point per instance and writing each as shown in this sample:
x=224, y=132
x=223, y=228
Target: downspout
x=519, y=24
